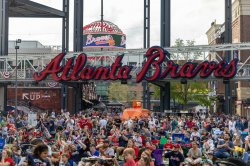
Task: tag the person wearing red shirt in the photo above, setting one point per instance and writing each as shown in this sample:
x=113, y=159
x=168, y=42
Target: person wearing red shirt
x=168, y=146
x=6, y=159
x=190, y=124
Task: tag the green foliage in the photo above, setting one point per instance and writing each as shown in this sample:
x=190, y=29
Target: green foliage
x=188, y=55
x=183, y=93
x=121, y=92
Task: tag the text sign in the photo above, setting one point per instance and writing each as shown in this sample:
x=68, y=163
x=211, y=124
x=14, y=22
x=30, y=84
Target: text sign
x=75, y=70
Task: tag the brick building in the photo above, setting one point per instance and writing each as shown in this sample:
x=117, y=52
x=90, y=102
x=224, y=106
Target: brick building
x=240, y=34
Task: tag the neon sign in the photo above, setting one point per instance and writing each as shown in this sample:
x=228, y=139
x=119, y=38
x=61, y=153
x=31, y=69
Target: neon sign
x=78, y=70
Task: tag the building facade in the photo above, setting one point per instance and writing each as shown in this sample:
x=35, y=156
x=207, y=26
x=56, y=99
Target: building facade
x=240, y=34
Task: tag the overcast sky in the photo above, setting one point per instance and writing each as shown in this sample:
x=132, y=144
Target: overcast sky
x=190, y=19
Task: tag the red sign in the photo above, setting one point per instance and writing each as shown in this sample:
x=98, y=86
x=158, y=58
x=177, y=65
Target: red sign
x=155, y=57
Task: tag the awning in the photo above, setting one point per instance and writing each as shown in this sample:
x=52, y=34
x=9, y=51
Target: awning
x=27, y=8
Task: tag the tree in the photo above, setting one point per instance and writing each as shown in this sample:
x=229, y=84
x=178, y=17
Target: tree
x=192, y=91
x=183, y=93
x=121, y=92
x=179, y=43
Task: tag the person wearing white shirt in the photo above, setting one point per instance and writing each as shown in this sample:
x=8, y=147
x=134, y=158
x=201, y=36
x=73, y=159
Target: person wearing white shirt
x=231, y=125
x=137, y=139
x=195, y=135
x=103, y=122
x=151, y=123
x=129, y=123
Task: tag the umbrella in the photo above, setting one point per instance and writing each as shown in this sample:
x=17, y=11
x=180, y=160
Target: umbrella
x=10, y=108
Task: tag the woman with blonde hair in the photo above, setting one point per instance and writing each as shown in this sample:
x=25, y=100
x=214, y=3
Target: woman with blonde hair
x=6, y=158
x=145, y=159
x=129, y=155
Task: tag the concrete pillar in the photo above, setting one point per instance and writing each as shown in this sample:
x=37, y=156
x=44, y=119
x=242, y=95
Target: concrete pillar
x=3, y=97
x=4, y=27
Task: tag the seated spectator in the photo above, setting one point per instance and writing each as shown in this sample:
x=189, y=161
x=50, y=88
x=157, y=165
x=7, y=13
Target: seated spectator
x=64, y=160
x=175, y=157
x=6, y=158
x=137, y=139
x=39, y=156
x=195, y=135
x=208, y=145
x=194, y=155
x=93, y=152
x=145, y=159
x=224, y=147
x=168, y=146
x=129, y=155
x=106, y=150
x=238, y=144
x=129, y=145
x=246, y=154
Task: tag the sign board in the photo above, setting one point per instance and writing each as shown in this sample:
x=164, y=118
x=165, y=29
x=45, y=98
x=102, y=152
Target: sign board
x=34, y=96
x=104, y=40
x=180, y=139
x=2, y=143
x=137, y=104
x=77, y=69
x=32, y=119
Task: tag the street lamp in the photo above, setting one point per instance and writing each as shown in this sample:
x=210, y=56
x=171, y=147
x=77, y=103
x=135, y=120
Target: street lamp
x=16, y=47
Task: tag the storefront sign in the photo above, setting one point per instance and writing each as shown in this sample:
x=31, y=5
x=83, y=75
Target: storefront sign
x=78, y=70
x=34, y=96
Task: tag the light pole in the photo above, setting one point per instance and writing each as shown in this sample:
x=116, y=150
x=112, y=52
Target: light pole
x=16, y=47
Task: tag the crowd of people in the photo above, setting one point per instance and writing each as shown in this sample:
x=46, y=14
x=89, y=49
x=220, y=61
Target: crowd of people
x=103, y=138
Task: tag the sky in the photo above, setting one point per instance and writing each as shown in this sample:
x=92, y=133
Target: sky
x=190, y=19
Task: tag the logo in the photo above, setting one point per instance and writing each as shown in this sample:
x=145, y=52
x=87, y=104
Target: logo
x=106, y=39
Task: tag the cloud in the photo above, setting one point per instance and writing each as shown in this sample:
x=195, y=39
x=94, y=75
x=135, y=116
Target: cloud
x=190, y=19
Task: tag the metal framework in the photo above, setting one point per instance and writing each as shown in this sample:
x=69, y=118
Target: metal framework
x=146, y=44
x=165, y=25
x=30, y=63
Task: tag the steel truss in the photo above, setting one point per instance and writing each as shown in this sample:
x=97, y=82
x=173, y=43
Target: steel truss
x=30, y=63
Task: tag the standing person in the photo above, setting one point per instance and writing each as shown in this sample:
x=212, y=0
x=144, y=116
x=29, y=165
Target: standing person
x=175, y=157
x=174, y=124
x=231, y=125
x=151, y=123
x=39, y=156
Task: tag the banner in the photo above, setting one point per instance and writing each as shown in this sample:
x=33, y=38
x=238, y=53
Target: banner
x=180, y=139
x=2, y=143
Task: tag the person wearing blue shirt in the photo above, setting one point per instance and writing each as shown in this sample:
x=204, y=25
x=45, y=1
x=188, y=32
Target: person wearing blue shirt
x=93, y=152
x=224, y=147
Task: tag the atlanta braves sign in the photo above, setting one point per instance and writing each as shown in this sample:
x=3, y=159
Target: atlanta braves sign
x=78, y=70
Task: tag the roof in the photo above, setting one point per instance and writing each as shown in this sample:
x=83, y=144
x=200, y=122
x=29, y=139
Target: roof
x=27, y=8
x=102, y=27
